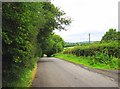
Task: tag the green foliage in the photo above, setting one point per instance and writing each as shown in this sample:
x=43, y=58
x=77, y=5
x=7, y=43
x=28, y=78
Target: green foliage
x=91, y=61
x=24, y=79
x=19, y=34
x=111, y=35
x=70, y=44
x=105, y=52
x=102, y=58
x=111, y=49
x=25, y=26
x=54, y=44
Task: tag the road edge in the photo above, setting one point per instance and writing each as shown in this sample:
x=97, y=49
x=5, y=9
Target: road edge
x=113, y=74
x=34, y=71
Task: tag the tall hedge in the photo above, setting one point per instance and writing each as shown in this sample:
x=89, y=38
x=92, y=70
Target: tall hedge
x=24, y=26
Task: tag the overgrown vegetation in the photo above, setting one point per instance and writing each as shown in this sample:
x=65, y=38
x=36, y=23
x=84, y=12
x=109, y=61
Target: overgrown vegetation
x=25, y=27
x=106, y=52
x=53, y=44
x=90, y=61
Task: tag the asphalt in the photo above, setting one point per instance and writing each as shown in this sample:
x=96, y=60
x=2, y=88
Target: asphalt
x=54, y=72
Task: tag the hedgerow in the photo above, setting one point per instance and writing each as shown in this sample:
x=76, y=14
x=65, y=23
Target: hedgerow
x=25, y=25
x=110, y=49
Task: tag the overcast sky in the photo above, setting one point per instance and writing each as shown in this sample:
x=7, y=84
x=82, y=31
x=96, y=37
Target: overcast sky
x=89, y=16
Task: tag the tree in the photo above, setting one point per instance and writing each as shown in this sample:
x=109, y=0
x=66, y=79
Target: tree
x=57, y=45
x=111, y=35
x=25, y=28
x=55, y=19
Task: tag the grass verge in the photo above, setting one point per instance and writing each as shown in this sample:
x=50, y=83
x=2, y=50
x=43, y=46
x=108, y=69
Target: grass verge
x=88, y=61
x=26, y=76
x=34, y=73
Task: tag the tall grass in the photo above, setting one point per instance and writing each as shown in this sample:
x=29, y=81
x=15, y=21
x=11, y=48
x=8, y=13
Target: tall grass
x=90, y=61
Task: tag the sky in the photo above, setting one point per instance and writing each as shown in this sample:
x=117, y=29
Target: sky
x=89, y=16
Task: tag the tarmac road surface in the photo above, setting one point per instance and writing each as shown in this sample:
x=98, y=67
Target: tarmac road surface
x=54, y=72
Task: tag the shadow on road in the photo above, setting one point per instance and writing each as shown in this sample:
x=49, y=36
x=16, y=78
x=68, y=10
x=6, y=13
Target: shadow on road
x=42, y=61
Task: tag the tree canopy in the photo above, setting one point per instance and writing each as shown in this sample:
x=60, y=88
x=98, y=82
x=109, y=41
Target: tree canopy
x=25, y=28
x=111, y=35
x=54, y=44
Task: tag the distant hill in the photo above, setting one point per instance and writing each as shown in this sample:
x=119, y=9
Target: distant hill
x=70, y=44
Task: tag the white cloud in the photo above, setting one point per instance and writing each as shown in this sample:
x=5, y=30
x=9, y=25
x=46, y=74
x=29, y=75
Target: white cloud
x=90, y=16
